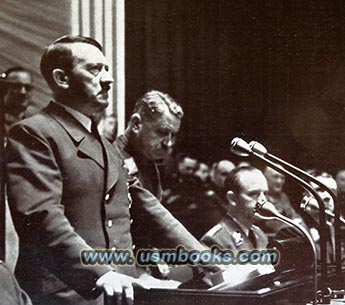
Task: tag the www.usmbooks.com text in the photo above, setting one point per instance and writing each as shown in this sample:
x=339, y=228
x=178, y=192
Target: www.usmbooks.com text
x=180, y=256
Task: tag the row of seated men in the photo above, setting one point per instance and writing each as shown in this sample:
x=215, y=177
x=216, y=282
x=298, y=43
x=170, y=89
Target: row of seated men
x=198, y=192
x=70, y=190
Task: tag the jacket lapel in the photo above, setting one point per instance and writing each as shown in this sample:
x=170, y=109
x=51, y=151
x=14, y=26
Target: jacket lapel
x=113, y=165
x=92, y=149
x=87, y=145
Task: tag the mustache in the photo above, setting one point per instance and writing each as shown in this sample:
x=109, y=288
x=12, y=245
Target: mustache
x=105, y=87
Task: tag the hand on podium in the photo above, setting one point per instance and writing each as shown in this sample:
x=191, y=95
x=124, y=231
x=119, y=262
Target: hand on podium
x=116, y=284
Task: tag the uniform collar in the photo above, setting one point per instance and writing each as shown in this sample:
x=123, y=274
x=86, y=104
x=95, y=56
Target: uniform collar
x=83, y=119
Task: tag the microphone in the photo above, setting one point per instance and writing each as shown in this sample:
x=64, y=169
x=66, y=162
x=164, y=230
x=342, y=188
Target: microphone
x=259, y=149
x=240, y=147
x=267, y=211
x=309, y=201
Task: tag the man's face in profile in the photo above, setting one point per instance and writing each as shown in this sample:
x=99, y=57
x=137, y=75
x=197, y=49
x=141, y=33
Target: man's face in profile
x=90, y=79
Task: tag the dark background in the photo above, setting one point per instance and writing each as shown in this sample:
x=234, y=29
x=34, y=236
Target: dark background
x=265, y=70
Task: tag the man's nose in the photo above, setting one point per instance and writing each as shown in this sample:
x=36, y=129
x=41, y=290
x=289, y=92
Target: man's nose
x=23, y=90
x=262, y=197
x=107, y=77
x=169, y=143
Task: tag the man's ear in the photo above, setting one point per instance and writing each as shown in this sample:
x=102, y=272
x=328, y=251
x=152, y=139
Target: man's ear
x=230, y=196
x=60, y=78
x=135, y=123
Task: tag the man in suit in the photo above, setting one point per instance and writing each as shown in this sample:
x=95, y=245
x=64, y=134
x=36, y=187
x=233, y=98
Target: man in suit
x=66, y=186
x=236, y=231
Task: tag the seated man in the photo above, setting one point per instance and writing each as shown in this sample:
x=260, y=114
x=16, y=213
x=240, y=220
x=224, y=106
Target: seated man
x=236, y=231
x=278, y=197
x=311, y=215
x=312, y=210
x=219, y=171
x=181, y=182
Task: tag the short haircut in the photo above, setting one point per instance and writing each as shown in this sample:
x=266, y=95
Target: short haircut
x=232, y=181
x=155, y=102
x=59, y=55
x=15, y=69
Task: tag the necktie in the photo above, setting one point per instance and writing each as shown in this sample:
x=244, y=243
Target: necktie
x=94, y=130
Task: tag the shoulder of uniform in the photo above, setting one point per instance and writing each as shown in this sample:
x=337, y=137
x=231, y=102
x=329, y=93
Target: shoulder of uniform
x=256, y=229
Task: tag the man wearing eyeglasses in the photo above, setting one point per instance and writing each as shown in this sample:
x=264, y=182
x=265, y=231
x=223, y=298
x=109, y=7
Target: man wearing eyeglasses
x=17, y=96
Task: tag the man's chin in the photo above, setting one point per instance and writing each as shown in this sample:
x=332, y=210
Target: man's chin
x=103, y=103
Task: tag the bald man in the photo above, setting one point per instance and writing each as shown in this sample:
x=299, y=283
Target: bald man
x=278, y=197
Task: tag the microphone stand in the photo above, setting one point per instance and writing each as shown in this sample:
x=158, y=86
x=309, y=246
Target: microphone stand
x=240, y=147
x=267, y=213
x=260, y=149
x=3, y=85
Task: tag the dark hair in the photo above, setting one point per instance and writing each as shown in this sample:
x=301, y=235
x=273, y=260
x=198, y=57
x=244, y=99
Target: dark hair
x=232, y=181
x=59, y=55
x=154, y=102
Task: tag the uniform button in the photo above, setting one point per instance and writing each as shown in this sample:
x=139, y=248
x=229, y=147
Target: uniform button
x=127, y=183
x=109, y=223
x=107, y=196
x=133, y=247
x=131, y=221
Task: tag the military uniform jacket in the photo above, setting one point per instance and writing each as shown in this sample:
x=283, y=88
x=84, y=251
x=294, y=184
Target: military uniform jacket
x=153, y=225
x=228, y=234
x=67, y=194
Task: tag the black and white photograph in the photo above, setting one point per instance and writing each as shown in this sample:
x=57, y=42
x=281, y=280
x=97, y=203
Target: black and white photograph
x=185, y=152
